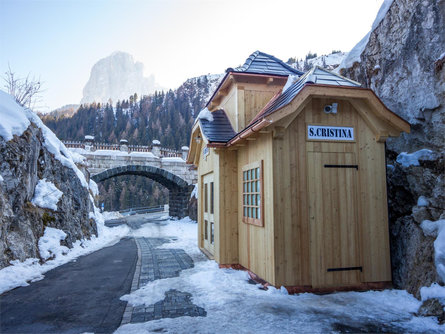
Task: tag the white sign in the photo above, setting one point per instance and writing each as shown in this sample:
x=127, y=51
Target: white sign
x=319, y=132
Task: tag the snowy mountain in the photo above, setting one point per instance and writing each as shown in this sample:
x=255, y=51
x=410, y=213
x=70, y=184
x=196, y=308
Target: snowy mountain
x=330, y=61
x=116, y=77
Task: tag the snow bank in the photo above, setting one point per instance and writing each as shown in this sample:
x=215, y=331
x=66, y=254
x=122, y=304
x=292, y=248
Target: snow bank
x=143, y=155
x=20, y=273
x=108, y=215
x=13, y=119
x=354, y=55
x=437, y=229
x=46, y=195
x=77, y=158
x=433, y=291
x=173, y=159
x=235, y=306
x=205, y=114
x=49, y=244
x=412, y=159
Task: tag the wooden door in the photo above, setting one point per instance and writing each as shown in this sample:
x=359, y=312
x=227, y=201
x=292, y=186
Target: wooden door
x=208, y=229
x=333, y=213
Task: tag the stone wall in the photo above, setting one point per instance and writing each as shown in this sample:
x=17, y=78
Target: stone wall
x=402, y=64
x=23, y=161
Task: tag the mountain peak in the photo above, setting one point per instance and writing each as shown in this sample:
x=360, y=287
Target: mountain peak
x=116, y=77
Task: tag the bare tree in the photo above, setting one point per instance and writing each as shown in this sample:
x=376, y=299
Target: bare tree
x=25, y=90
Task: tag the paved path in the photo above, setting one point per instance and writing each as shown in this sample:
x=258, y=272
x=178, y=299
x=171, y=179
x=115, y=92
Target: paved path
x=83, y=296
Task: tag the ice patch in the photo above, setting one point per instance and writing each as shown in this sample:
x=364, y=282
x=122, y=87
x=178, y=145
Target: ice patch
x=205, y=114
x=412, y=159
x=49, y=244
x=423, y=201
x=46, y=195
x=437, y=229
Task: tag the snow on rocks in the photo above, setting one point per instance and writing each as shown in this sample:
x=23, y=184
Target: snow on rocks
x=412, y=159
x=423, y=201
x=205, y=114
x=30, y=270
x=1, y=178
x=354, y=55
x=46, y=195
x=94, y=188
x=14, y=120
x=49, y=244
x=437, y=229
x=194, y=193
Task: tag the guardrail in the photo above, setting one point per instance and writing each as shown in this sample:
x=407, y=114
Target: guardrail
x=147, y=209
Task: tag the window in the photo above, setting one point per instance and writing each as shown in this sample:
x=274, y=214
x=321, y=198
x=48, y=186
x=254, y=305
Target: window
x=206, y=231
x=212, y=233
x=211, y=198
x=252, y=193
x=206, y=196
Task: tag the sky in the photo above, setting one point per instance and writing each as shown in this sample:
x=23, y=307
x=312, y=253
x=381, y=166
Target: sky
x=59, y=41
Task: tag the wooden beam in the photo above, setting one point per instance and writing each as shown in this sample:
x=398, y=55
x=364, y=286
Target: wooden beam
x=278, y=132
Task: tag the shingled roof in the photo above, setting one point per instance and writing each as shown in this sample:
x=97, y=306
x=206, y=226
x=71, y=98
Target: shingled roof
x=316, y=75
x=263, y=63
x=219, y=130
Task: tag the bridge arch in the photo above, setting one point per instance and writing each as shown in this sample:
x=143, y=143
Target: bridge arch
x=179, y=189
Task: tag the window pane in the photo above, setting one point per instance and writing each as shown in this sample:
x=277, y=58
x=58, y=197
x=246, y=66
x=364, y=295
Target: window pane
x=206, y=195
x=206, y=230
x=256, y=213
x=244, y=176
x=257, y=186
x=244, y=187
x=259, y=214
x=258, y=173
x=245, y=211
x=258, y=203
x=212, y=235
x=250, y=174
x=254, y=200
x=211, y=197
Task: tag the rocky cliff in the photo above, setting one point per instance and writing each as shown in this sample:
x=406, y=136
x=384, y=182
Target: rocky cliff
x=116, y=77
x=29, y=152
x=403, y=63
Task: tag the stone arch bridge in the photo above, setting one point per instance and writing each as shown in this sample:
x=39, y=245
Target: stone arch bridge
x=168, y=169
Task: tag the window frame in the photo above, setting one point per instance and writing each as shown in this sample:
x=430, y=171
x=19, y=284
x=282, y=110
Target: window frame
x=246, y=182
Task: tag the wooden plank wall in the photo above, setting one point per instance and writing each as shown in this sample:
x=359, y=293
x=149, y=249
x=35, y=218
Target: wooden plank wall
x=291, y=221
x=227, y=190
x=256, y=244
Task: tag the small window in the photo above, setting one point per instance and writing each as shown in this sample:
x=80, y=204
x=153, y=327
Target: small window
x=211, y=197
x=252, y=193
x=206, y=230
x=206, y=200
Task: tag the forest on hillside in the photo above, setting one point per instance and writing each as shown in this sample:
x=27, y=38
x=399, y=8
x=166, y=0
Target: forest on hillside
x=165, y=116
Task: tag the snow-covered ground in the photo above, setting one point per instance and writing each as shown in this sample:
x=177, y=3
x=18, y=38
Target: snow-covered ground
x=21, y=273
x=235, y=306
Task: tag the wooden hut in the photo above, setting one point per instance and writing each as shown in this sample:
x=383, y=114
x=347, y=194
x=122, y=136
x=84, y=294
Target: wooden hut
x=292, y=177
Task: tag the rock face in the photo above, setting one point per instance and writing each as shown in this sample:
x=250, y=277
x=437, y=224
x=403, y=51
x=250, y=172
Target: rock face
x=403, y=64
x=24, y=160
x=117, y=77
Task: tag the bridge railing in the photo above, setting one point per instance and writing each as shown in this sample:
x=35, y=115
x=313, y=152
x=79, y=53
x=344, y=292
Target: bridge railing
x=147, y=209
x=163, y=151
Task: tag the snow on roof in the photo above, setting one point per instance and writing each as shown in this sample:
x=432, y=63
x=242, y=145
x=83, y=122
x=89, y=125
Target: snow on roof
x=143, y=154
x=205, y=114
x=88, y=137
x=354, y=55
x=185, y=148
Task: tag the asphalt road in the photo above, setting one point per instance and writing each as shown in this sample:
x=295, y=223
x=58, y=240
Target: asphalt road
x=81, y=296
